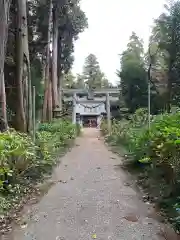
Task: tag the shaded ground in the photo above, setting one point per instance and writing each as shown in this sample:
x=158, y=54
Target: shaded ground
x=91, y=199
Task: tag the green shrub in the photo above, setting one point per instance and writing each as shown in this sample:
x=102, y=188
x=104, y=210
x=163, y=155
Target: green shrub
x=17, y=153
x=22, y=161
x=157, y=150
x=160, y=144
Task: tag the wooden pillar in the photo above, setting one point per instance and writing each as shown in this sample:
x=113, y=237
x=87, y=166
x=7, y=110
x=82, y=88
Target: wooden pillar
x=74, y=109
x=108, y=111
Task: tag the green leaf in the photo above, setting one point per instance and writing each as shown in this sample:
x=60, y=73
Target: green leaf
x=145, y=160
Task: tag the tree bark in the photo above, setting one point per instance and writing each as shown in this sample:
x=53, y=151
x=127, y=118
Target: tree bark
x=20, y=116
x=172, y=54
x=60, y=72
x=3, y=105
x=60, y=81
x=28, y=68
x=169, y=91
x=3, y=30
x=54, y=57
x=50, y=113
x=4, y=17
x=47, y=75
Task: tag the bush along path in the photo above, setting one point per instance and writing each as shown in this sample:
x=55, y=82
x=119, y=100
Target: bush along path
x=154, y=155
x=23, y=164
x=93, y=198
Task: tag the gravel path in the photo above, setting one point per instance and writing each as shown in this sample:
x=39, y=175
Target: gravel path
x=91, y=199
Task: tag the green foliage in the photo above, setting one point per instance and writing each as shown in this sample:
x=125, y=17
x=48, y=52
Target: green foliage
x=69, y=80
x=158, y=145
x=71, y=21
x=164, y=43
x=23, y=161
x=92, y=74
x=157, y=151
x=165, y=67
x=124, y=130
x=17, y=152
x=133, y=75
x=36, y=76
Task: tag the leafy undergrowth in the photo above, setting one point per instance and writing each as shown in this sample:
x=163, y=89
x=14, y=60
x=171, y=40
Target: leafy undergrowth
x=23, y=163
x=154, y=155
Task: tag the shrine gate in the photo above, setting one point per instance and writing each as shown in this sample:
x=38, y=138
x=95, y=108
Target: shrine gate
x=91, y=105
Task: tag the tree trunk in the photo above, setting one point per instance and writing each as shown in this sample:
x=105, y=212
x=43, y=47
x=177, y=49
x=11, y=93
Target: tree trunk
x=20, y=116
x=28, y=68
x=25, y=90
x=54, y=57
x=172, y=54
x=3, y=30
x=60, y=83
x=49, y=107
x=169, y=93
x=169, y=84
x=47, y=75
x=3, y=105
x=4, y=16
x=60, y=73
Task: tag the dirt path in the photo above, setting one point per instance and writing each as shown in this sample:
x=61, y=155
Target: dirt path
x=90, y=200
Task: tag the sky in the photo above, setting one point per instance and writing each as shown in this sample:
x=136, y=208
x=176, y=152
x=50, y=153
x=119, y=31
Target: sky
x=110, y=25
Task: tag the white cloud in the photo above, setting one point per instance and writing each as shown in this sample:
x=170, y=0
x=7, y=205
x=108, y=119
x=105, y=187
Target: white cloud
x=110, y=25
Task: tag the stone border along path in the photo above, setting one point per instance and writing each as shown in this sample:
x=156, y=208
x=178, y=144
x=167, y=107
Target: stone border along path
x=91, y=200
